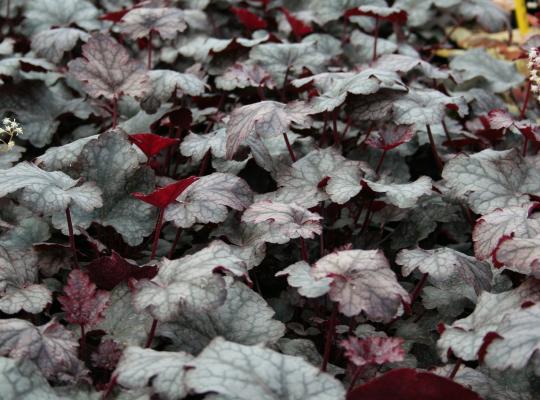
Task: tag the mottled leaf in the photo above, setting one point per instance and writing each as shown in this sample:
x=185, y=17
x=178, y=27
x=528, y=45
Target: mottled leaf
x=190, y=282
x=41, y=15
x=266, y=119
x=465, y=337
x=283, y=222
x=362, y=281
x=402, y=195
x=21, y=379
x=207, y=200
x=51, y=347
x=106, y=69
x=244, y=318
x=165, y=370
x=492, y=179
x=140, y=22
x=479, y=66
x=53, y=43
x=299, y=276
x=236, y=371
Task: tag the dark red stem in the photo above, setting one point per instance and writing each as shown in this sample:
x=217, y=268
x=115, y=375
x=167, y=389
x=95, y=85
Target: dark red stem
x=376, y=39
x=379, y=164
x=526, y=101
x=149, y=60
x=151, y=334
x=114, y=112
x=418, y=288
x=355, y=377
x=159, y=224
x=71, y=237
x=455, y=369
x=334, y=127
x=303, y=247
x=83, y=343
x=434, y=149
x=175, y=242
x=204, y=163
x=330, y=331
x=289, y=147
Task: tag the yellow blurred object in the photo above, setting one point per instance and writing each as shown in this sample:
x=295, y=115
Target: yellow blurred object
x=521, y=16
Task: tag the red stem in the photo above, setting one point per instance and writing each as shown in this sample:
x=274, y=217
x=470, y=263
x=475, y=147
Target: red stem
x=379, y=164
x=374, y=57
x=526, y=101
x=304, y=250
x=291, y=152
x=418, y=288
x=284, y=89
x=149, y=60
x=114, y=112
x=334, y=127
x=434, y=149
x=330, y=331
x=82, y=350
x=204, y=163
x=159, y=224
x=71, y=237
x=175, y=242
x=525, y=143
x=355, y=377
x=151, y=334
x=110, y=386
x=455, y=369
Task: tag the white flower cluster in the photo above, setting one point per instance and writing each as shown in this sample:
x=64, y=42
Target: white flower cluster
x=534, y=69
x=11, y=129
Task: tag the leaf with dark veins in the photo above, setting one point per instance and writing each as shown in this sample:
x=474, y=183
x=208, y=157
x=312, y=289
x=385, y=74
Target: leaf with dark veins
x=519, y=339
x=53, y=43
x=445, y=266
x=405, y=64
x=140, y=22
x=373, y=350
x=301, y=183
x=48, y=192
x=106, y=69
x=207, y=200
x=21, y=379
x=113, y=164
x=190, y=282
x=241, y=76
x=41, y=15
x=478, y=65
x=244, y=318
x=492, y=179
x=465, y=336
x=515, y=222
x=163, y=369
x=519, y=254
x=239, y=372
x=51, y=347
x=38, y=109
x=402, y=195
x=362, y=282
x=283, y=222
x=266, y=119
x=288, y=59
x=299, y=276
x=196, y=145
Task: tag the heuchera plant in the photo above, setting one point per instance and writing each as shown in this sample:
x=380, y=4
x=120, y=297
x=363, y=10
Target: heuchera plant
x=268, y=200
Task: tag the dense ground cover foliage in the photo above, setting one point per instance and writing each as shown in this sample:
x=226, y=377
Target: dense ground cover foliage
x=264, y=199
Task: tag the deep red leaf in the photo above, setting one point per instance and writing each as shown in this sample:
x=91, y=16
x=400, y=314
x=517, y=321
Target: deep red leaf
x=108, y=271
x=83, y=303
x=114, y=16
x=410, y=384
x=250, y=20
x=299, y=27
x=150, y=143
x=166, y=195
